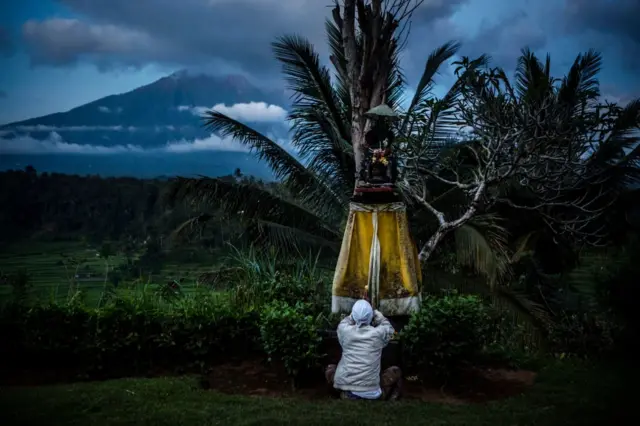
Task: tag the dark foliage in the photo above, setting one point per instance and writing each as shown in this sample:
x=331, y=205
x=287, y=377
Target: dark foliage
x=123, y=338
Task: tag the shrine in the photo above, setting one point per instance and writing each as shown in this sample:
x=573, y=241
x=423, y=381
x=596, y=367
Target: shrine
x=378, y=259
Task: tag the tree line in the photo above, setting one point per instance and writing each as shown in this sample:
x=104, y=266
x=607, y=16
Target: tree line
x=56, y=206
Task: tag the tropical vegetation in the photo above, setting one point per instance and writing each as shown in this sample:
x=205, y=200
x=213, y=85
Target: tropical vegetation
x=511, y=178
x=522, y=194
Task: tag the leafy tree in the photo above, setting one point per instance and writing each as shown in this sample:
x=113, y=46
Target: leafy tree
x=548, y=142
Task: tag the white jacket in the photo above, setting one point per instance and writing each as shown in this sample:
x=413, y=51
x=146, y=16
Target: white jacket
x=359, y=367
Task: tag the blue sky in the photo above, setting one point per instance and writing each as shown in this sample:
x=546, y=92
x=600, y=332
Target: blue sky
x=56, y=55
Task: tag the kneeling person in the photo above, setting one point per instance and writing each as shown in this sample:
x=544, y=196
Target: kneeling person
x=362, y=336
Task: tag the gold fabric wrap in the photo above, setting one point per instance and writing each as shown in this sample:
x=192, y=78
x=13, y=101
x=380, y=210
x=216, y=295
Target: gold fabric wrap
x=377, y=257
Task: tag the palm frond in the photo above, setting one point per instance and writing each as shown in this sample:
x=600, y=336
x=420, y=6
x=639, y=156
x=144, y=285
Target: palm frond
x=481, y=244
x=339, y=61
x=433, y=64
x=284, y=165
x=294, y=175
x=533, y=82
x=319, y=126
x=251, y=203
x=618, y=155
x=581, y=84
x=288, y=238
x=330, y=157
x=523, y=247
x=186, y=229
x=310, y=81
x=524, y=309
x=395, y=81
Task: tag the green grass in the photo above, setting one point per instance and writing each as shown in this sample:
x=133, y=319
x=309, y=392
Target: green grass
x=43, y=261
x=566, y=394
x=47, y=275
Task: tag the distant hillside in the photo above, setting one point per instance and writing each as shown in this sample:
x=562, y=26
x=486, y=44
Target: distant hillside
x=147, y=118
x=147, y=166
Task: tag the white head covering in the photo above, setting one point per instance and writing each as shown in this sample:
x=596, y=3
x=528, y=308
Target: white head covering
x=362, y=313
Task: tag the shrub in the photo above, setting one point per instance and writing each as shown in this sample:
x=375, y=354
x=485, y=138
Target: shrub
x=311, y=292
x=126, y=336
x=510, y=341
x=446, y=334
x=583, y=334
x=290, y=335
x=20, y=283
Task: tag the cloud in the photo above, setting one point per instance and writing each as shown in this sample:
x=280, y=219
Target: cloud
x=59, y=41
x=7, y=47
x=505, y=39
x=431, y=10
x=104, y=109
x=234, y=36
x=230, y=34
x=248, y=112
x=120, y=33
x=612, y=93
x=212, y=143
x=55, y=144
x=44, y=128
x=617, y=18
x=612, y=25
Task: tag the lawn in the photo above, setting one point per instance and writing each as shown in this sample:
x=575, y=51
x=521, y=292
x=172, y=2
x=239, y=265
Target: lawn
x=566, y=393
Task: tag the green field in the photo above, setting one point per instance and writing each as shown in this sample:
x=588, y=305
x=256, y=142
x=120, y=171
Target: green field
x=51, y=275
x=565, y=394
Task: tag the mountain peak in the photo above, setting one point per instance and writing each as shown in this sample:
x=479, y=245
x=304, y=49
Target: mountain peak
x=179, y=75
x=234, y=82
x=158, y=103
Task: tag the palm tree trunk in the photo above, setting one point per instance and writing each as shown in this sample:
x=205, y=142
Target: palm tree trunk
x=368, y=63
x=353, y=59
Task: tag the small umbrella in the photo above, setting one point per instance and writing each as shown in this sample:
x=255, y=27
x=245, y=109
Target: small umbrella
x=382, y=110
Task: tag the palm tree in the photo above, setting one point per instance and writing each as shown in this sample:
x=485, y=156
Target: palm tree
x=316, y=185
x=310, y=204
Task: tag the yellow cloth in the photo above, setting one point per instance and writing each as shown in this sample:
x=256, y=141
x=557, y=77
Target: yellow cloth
x=377, y=255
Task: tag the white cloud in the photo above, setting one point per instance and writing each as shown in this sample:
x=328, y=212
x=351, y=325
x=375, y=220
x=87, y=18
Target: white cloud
x=104, y=109
x=212, y=143
x=621, y=100
x=55, y=144
x=43, y=128
x=250, y=112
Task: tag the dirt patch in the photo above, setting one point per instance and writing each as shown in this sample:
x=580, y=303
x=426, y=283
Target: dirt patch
x=255, y=377
x=477, y=385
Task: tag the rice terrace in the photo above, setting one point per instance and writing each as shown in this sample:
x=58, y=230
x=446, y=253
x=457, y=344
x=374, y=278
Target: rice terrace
x=322, y=214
